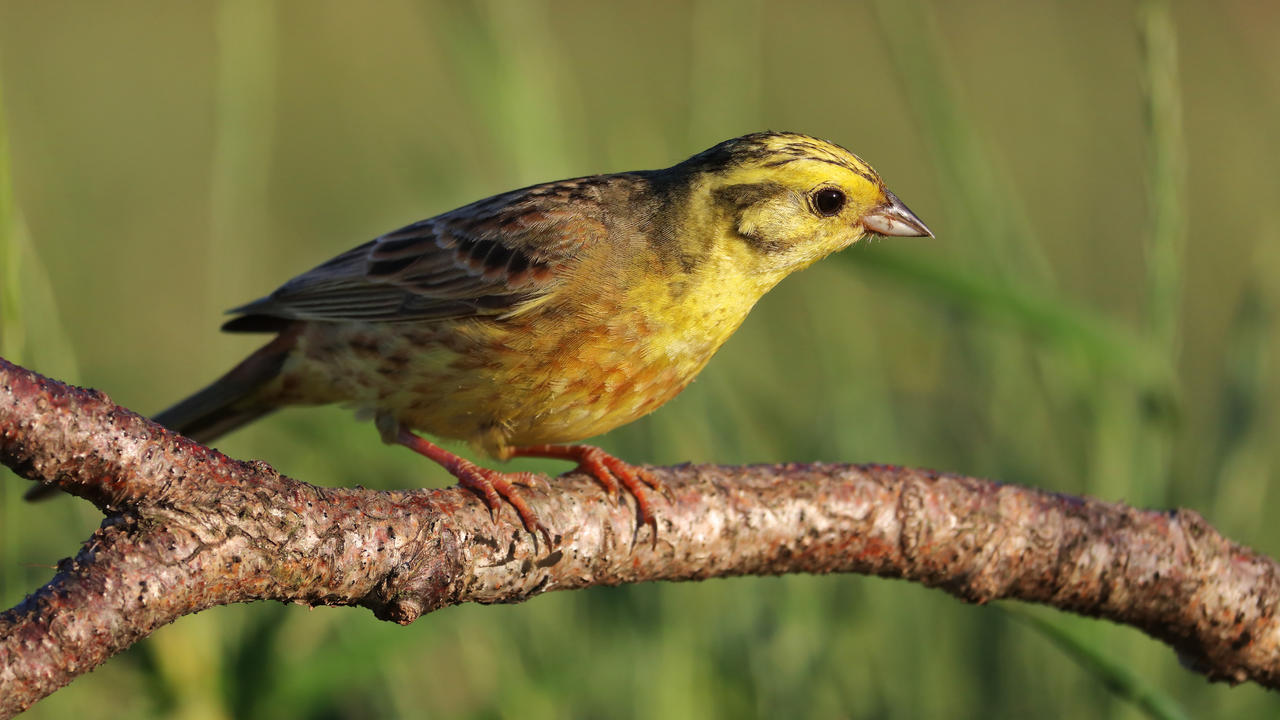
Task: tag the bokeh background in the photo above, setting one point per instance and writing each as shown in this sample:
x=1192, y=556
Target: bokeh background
x=1097, y=314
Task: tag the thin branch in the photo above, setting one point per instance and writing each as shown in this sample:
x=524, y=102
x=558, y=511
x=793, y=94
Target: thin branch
x=188, y=528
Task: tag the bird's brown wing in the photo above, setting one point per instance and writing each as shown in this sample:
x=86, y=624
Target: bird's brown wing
x=486, y=258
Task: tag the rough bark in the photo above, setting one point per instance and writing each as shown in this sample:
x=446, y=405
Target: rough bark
x=188, y=528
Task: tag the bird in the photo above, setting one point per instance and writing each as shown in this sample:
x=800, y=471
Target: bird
x=534, y=319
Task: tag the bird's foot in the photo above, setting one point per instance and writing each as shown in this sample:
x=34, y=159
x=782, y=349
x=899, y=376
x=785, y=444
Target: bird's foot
x=494, y=487
x=491, y=485
x=610, y=472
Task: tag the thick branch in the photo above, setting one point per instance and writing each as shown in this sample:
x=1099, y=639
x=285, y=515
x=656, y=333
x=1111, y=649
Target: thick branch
x=188, y=528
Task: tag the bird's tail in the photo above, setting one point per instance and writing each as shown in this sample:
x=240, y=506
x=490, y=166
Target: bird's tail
x=232, y=400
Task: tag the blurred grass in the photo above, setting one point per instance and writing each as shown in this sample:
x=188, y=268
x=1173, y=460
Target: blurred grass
x=1118, y=677
x=1097, y=314
x=11, y=331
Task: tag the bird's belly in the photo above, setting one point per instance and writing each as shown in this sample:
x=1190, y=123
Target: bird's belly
x=590, y=397
x=497, y=385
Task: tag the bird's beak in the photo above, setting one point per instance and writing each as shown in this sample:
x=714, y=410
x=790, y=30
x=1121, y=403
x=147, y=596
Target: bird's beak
x=893, y=218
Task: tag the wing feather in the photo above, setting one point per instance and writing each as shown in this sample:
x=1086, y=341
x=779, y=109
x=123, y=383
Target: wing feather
x=486, y=258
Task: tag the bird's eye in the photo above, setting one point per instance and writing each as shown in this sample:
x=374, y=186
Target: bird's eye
x=828, y=201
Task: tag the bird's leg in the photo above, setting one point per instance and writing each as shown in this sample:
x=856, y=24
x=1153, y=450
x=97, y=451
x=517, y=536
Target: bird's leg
x=609, y=471
x=492, y=486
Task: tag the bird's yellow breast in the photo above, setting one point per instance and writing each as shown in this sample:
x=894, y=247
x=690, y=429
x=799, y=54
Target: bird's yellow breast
x=615, y=352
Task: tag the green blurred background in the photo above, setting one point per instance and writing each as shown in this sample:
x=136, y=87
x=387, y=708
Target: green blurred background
x=1097, y=314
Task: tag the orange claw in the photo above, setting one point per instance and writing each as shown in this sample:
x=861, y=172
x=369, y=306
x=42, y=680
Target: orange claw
x=492, y=486
x=609, y=471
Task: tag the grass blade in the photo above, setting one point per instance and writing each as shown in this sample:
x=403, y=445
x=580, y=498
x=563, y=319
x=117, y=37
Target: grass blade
x=1115, y=676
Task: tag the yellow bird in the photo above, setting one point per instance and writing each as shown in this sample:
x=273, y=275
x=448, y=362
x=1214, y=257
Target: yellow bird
x=553, y=313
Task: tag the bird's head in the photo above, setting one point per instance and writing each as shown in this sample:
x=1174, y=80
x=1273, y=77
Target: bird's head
x=792, y=199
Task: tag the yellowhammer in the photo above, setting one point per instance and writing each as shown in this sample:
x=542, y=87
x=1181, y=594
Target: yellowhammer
x=553, y=313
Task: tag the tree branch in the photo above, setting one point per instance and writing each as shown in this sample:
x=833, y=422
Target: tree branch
x=188, y=528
